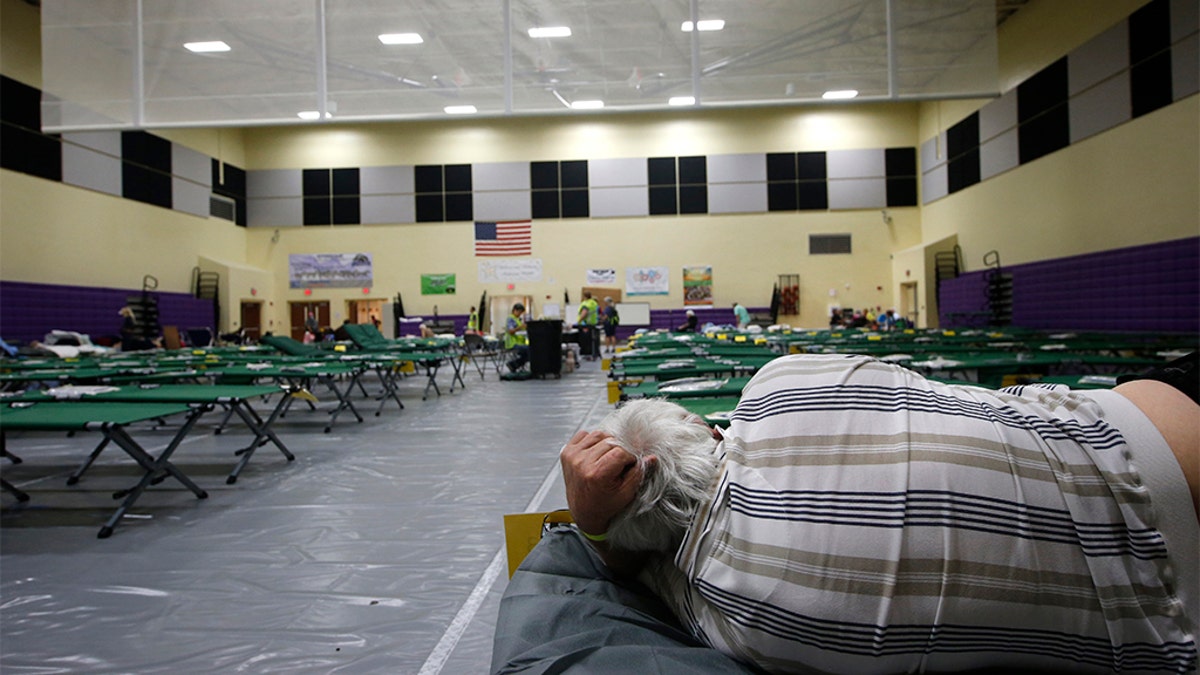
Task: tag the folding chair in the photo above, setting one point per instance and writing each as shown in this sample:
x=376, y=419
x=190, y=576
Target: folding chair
x=476, y=349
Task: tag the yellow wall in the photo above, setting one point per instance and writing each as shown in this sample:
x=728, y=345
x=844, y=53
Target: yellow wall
x=1134, y=184
x=747, y=252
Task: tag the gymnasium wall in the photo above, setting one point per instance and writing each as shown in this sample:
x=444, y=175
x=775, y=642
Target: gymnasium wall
x=1132, y=184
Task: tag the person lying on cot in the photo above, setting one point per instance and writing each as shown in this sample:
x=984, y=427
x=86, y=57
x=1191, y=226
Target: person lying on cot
x=858, y=518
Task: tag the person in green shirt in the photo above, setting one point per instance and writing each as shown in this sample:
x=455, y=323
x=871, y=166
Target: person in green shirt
x=515, y=340
x=742, y=315
x=589, y=315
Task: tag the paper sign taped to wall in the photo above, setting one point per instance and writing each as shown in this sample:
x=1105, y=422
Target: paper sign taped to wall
x=501, y=271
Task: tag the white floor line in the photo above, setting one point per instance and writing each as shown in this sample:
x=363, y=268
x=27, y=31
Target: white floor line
x=454, y=632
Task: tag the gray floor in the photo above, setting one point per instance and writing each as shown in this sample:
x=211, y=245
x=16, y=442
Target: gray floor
x=380, y=549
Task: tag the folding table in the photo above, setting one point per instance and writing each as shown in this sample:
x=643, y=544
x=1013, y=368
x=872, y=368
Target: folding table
x=110, y=419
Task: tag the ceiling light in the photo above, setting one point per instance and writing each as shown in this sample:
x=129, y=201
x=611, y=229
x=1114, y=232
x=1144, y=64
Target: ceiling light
x=312, y=115
x=704, y=24
x=682, y=100
x=460, y=110
x=839, y=94
x=550, y=31
x=587, y=105
x=401, y=39
x=205, y=47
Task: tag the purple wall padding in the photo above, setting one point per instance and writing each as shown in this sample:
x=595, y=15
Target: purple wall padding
x=1155, y=287
x=29, y=311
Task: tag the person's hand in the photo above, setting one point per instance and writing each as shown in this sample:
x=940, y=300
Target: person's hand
x=601, y=479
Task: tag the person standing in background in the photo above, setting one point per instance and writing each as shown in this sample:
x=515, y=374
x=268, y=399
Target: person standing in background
x=515, y=339
x=611, y=320
x=742, y=315
x=589, y=315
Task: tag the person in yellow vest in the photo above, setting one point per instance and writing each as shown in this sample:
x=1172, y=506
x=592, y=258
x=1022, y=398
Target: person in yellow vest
x=515, y=340
x=589, y=315
x=473, y=322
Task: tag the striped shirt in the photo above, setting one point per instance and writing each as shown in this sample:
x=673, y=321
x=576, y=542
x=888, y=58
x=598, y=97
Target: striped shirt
x=867, y=520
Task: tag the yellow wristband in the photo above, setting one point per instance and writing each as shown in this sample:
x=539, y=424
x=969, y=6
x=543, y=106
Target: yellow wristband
x=595, y=537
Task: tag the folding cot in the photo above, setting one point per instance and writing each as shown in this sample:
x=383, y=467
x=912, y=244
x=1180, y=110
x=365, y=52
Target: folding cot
x=111, y=420
x=233, y=398
x=301, y=376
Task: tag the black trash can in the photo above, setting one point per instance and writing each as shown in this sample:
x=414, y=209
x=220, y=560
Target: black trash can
x=545, y=348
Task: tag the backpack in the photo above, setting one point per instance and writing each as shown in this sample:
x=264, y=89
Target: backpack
x=612, y=318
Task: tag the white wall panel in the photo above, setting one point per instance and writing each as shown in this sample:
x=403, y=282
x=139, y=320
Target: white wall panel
x=1098, y=59
x=1100, y=108
x=999, y=155
x=507, y=205
x=737, y=198
x=274, y=183
x=190, y=197
x=384, y=209
x=500, y=176
x=619, y=201
x=868, y=163
x=617, y=172
x=858, y=193
x=745, y=168
x=386, y=180
x=275, y=212
x=86, y=168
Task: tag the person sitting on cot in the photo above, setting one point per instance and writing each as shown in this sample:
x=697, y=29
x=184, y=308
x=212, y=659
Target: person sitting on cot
x=858, y=518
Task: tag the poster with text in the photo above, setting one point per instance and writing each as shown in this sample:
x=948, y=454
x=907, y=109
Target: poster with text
x=647, y=281
x=697, y=285
x=329, y=270
x=438, y=284
x=504, y=271
x=599, y=277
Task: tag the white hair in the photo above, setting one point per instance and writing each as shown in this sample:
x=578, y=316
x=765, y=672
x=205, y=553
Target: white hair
x=672, y=488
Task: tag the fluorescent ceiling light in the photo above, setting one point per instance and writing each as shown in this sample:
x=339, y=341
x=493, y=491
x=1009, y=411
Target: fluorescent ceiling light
x=205, y=47
x=460, y=110
x=312, y=115
x=840, y=94
x=550, y=31
x=587, y=105
x=401, y=39
x=704, y=24
x=682, y=100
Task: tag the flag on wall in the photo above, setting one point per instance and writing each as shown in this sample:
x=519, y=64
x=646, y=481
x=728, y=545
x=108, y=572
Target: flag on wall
x=503, y=239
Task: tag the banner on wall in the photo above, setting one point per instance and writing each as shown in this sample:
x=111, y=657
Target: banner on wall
x=697, y=285
x=600, y=277
x=330, y=270
x=438, y=284
x=504, y=271
x=647, y=281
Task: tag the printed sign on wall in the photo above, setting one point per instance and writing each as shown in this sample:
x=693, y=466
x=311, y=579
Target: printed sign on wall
x=647, y=281
x=329, y=270
x=438, y=284
x=600, y=277
x=503, y=271
x=697, y=285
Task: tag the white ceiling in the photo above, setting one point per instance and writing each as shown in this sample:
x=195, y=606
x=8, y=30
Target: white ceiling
x=104, y=66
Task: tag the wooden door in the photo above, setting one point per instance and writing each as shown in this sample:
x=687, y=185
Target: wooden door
x=300, y=312
x=251, y=320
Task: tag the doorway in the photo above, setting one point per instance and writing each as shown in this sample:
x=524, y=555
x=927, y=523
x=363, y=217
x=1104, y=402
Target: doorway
x=300, y=312
x=910, y=305
x=251, y=320
x=365, y=311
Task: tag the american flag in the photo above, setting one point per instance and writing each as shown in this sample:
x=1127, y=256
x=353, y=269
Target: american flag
x=504, y=239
